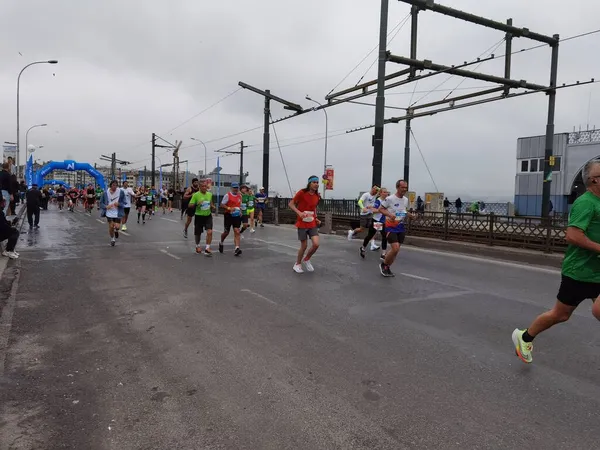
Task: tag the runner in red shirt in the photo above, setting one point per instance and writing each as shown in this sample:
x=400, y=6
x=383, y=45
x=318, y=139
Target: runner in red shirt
x=304, y=204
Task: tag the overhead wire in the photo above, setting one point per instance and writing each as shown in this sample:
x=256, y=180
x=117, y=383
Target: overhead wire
x=424, y=161
x=282, y=160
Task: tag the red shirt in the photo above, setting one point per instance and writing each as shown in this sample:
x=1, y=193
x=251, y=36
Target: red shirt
x=305, y=201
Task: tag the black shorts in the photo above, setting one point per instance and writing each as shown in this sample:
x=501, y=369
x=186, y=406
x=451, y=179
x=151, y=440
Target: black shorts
x=191, y=212
x=170, y=199
x=184, y=205
x=392, y=237
x=113, y=219
x=245, y=219
x=163, y=201
x=305, y=233
x=573, y=292
x=60, y=199
x=140, y=205
x=126, y=211
x=202, y=223
x=366, y=222
x=230, y=221
x=91, y=201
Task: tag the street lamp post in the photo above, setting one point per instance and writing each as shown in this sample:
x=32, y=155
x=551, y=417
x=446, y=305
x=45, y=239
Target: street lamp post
x=27, y=138
x=326, y=135
x=52, y=61
x=194, y=139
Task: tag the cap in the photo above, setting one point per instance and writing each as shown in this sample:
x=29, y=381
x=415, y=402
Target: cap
x=235, y=185
x=262, y=188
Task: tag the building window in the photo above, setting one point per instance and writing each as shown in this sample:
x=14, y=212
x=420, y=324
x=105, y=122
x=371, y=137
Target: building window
x=525, y=165
x=533, y=165
x=556, y=167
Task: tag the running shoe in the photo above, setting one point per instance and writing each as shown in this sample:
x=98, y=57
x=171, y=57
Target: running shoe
x=12, y=255
x=112, y=242
x=350, y=234
x=144, y=222
x=198, y=249
x=252, y=230
x=185, y=234
x=308, y=266
x=124, y=228
x=298, y=268
x=237, y=251
x=261, y=225
x=385, y=270
x=374, y=246
x=361, y=252
x=207, y=252
x=522, y=349
x=220, y=247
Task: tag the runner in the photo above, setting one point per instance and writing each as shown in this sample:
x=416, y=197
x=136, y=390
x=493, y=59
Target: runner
x=365, y=203
x=580, y=275
x=378, y=224
x=150, y=198
x=261, y=202
x=171, y=198
x=232, y=203
x=250, y=204
x=61, y=193
x=163, y=199
x=187, y=195
x=111, y=206
x=395, y=208
x=155, y=200
x=140, y=200
x=73, y=195
x=202, y=204
x=129, y=198
x=90, y=198
x=244, y=207
x=99, y=193
x=304, y=204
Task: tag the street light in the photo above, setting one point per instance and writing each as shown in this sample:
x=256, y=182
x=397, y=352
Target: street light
x=27, y=138
x=51, y=61
x=326, y=135
x=194, y=139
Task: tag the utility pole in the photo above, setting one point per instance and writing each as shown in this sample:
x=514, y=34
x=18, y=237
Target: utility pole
x=414, y=12
x=153, y=159
x=176, y=164
x=267, y=113
x=145, y=176
x=241, y=153
x=380, y=101
x=113, y=163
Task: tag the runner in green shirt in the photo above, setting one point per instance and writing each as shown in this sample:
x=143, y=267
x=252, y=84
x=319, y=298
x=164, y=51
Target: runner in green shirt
x=202, y=202
x=246, y=199
x=580, y=268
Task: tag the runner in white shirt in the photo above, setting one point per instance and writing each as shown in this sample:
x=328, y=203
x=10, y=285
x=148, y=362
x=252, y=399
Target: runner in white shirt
x=366, y=203
x=111, y=205
x=129, y=195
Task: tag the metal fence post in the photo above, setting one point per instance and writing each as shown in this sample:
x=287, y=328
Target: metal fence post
x=327, y=224
x=446, y=221
x=548, y=245
x=276, y=215
x=492, y=220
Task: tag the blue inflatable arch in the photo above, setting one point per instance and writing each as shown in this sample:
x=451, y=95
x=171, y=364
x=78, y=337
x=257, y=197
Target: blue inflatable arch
x=69, y=166
x=55, y=182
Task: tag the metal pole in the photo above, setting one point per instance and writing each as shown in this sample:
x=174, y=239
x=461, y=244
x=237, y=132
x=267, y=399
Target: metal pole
x=153, y=159
x=414, y=11
x=187, y=170
x=241, y=163
x=508, y=56
x=547, y=183
x=326, y=139
x=380, y=102
x=266, y=143
x=144, y=176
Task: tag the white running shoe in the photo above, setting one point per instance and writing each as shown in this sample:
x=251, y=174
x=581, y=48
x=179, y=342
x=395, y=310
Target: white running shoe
x=350, y=234
x=308, y=266
x=252, y=230
x=298, y=268
x=12, y=255
x=374, y=246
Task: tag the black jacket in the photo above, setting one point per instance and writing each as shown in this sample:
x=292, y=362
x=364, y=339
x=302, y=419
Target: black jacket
x=5, y=182
x=34, y=198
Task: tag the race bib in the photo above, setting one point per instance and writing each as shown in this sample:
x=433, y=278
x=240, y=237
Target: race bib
x=250, y=204
x=236, y=212
x=244, y=207
x=309, y=217
x=378, y=226
x=205, y=206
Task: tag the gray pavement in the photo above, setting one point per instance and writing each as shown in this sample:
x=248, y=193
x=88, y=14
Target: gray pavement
x=150, y=346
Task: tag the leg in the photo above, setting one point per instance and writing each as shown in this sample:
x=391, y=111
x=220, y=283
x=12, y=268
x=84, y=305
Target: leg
x=30, y=216
x=369, y=236
x=383, y=241
x=596, y=308
x=301, y=251
x=209, y=234
x=111, y=230
x=313, y=248
x=560, y=313
x=390, y=256
x=236, y=237
x=187, y=223
x=36, y=213
x=11, y=243
x=224, y=235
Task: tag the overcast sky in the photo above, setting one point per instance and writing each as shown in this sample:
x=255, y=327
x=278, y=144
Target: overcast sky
x=130, y=68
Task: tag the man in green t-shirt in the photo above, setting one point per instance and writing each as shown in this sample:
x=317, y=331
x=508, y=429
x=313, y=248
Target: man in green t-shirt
x=580, y=268
x=202, y=203
x=246, y=199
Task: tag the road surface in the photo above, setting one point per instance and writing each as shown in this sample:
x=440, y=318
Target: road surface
x=150, y=346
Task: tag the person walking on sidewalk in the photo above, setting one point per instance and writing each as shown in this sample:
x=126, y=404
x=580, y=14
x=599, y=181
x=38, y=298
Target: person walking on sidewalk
x=6, y=187
x=580, y=274
x=304, y=204
x=34, y=202
x=112, y=207
x=8, y=232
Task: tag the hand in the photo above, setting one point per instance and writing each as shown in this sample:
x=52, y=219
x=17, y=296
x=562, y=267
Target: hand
x=365, y=210
x=318, y=222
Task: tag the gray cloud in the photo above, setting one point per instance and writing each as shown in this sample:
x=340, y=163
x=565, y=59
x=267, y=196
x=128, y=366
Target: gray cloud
x=130, y=68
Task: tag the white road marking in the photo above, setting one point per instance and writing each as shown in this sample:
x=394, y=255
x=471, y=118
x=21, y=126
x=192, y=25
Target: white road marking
x=170, y=220
x=125, y=233
x=256, y=294
x=415, y=277
x=276, y=243
x=170, y=254
x=101, y=221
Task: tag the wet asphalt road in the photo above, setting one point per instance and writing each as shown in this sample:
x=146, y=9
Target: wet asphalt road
x=150, y=346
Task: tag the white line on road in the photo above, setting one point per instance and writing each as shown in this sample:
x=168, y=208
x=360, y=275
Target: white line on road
x=415, y=277
x=256, y=294
x=170, y=254
x=276, y=243
x=125, y=233
x=101, y=221
x=170, y=220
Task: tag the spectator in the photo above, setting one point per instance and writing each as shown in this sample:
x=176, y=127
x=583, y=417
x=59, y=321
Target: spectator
x=34, y=202
x=447, y=204
x=5, y=187
x=14, y=188
x=8, y=232
x=458, y=204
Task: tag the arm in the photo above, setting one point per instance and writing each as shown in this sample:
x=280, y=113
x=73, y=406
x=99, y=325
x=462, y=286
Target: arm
x=224, y=202
x=293, y=207
x=361, y=201
x=188, y=193
x=576, y=236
